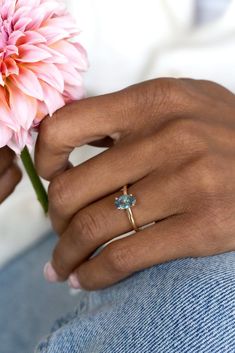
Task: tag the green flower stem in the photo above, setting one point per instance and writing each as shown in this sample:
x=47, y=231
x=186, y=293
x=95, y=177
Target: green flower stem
x=34, y=178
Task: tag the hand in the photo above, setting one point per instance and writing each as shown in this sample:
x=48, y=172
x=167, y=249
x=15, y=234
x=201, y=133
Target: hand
x=10, y=174
x=173, y=142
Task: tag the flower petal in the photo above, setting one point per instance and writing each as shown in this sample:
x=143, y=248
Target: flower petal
x=22, y=106
x=76, y=53
x=6, y=116
x=19, y=140
x=56, y=57
x=41, y=113
x=11, y=50
x=53, y=34
x=22, y=11
x=48, y=73
x=22, y=23
x=27, y=81
x=32, y=53
x=2, y=83
x=31, y=3
x=47, y=9
x=14, y=37
x=11, y=67
x=5, y=135
x=32, y=37
x=52, y=98
x=70, y=74
x=66, y=22
x=7, y=9
x=73, y=93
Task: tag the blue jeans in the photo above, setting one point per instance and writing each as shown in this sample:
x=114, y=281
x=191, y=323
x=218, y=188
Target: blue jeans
x=28, y=304
x=183, y=306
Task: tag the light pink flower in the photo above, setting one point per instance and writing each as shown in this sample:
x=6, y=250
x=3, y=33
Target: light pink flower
x=40, y=67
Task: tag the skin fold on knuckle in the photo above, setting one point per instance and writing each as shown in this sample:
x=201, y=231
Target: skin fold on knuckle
x=156, y=100
x=192, y=137
x=210, y=176
x=205, y=236
x=59, y=195
x=87, y=279
x=49, y=143
x=212, y=222
x=87, y=227
x=119, y=259
x=45, y=137
x=171, y=97
x=215, y=219
x=59, y=263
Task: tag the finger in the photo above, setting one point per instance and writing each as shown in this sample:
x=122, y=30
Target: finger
x=82, y=185
x=75, y=125
x=165, y=241
x=8, y=181
x=6, y=158
x=157, y=198
x=110, y=171
x=113, y=115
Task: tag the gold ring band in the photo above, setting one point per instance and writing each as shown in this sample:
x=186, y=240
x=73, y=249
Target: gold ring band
x=132, y=220
x=129, y=211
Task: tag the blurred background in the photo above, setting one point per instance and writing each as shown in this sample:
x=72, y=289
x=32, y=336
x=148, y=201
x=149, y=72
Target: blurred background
x=128, y=41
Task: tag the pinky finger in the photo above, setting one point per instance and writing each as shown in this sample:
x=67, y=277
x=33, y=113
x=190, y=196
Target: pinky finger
x=162, y=242
x=8, y=181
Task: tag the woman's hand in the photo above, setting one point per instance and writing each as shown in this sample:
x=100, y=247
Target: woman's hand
x=10, y=174
x=173, y=142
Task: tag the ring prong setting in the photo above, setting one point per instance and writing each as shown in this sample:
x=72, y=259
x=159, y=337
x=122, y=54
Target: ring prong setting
x=125, y=201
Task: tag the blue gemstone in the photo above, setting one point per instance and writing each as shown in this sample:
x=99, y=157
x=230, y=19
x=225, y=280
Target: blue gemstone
x=125, y=201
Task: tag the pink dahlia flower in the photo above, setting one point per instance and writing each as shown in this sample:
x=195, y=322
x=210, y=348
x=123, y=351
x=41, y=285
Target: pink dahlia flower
x=40, y=67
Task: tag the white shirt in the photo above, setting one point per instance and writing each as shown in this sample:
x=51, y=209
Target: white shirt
x=129, y=41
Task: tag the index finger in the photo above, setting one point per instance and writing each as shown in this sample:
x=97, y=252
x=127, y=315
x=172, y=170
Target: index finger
x=112, y=116
x=75, y=125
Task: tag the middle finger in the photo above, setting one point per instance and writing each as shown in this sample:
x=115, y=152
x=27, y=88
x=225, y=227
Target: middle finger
x=105, y=173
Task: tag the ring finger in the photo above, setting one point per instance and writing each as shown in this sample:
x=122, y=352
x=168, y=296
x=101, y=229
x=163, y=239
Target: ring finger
x=157, y=198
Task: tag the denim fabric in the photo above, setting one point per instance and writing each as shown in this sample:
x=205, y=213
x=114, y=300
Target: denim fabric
x=28, y=304
x=182, y=306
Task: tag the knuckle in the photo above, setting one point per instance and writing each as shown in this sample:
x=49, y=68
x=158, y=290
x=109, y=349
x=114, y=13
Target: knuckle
x=204, y=241
x=119, y=258
x=87, y=283
x=186, y=134
x=58, y=193
x=205, y=185
x=47, y=132
x=166, y=93
x=157, y=94
x=209, y=176
x=172, y=92
x=87, y=227
x=59, y=263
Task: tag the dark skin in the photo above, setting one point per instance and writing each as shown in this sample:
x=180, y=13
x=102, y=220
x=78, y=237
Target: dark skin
x=173, y=142
x=10, y=174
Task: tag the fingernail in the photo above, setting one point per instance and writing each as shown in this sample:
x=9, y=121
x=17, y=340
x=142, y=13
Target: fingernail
x=74, y=282
x=50, y=274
